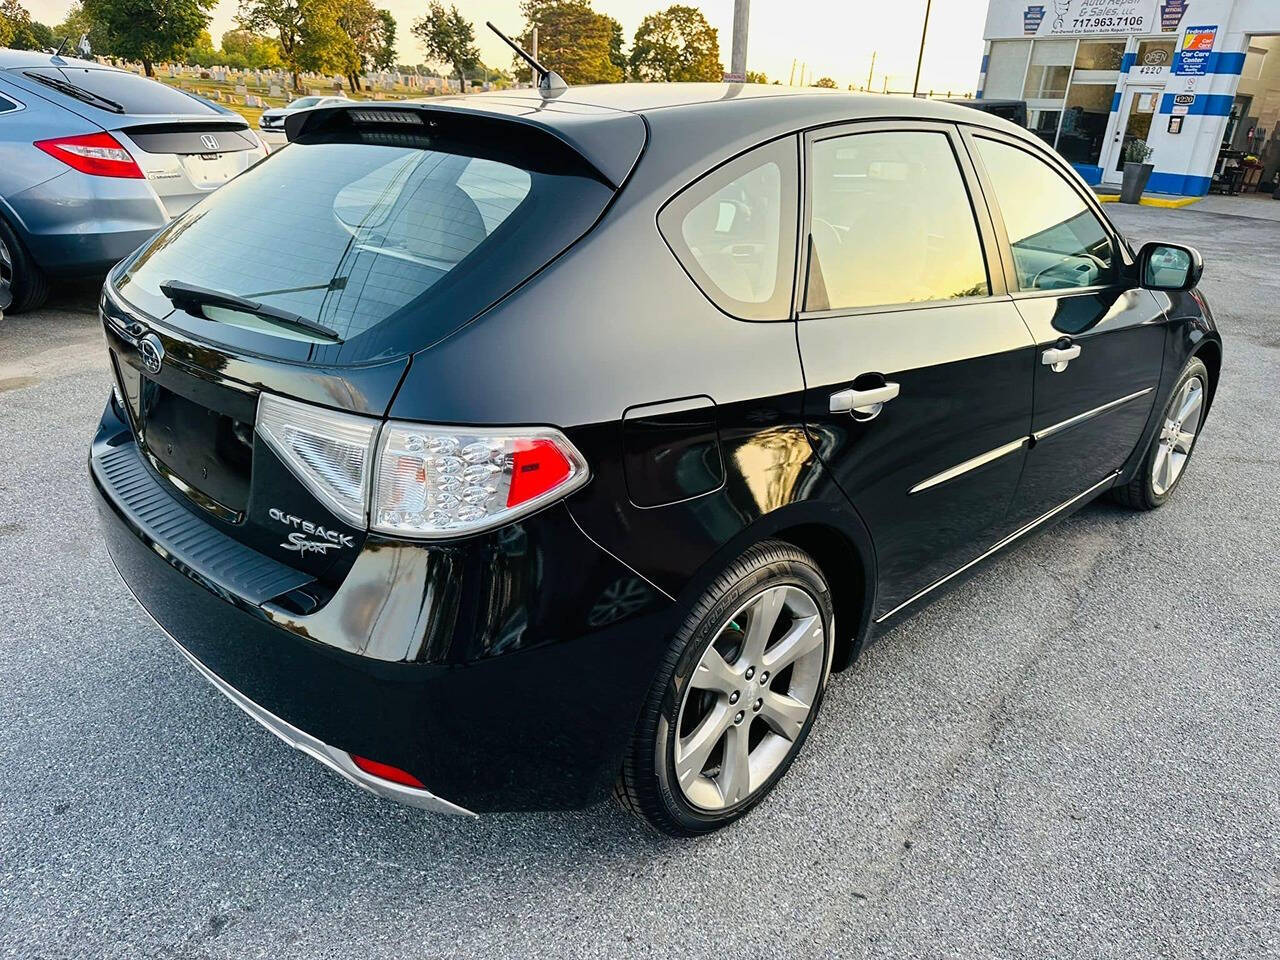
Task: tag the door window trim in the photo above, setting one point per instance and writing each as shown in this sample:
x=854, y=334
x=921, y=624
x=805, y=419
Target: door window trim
x=968, y=134
x=988, y=239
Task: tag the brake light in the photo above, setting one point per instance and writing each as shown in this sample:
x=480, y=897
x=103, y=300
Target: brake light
x=97, y=154
x=441, y=482
x=385, y=771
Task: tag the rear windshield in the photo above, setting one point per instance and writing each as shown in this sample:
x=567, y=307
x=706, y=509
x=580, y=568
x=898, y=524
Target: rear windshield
x=388, y=247
x=136, y=94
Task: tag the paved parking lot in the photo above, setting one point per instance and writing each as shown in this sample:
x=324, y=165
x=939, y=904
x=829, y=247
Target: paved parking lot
x=1077, y=754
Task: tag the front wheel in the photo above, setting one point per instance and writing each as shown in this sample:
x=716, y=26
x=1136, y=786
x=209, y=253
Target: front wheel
x=735, y=696
x=1171, y=447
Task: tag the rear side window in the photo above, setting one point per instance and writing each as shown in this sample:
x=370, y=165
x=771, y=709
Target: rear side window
x=734, y=231
x=6, y=105
x=390, y=247
x=1057, y=241
x=136, y=94
x=891, y=223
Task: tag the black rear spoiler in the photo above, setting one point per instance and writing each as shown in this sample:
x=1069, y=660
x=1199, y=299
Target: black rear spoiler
x=609, y=141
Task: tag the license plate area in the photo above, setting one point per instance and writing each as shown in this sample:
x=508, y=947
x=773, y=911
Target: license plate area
x=206, y=453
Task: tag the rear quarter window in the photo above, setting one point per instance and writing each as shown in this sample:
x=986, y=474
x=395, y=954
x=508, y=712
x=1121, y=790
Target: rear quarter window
x=734, y=231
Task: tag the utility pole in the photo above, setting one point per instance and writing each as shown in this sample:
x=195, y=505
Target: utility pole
x=533, y=43
x=791, y=80
x=915, y=88
x=872, y=70
x=738, y=59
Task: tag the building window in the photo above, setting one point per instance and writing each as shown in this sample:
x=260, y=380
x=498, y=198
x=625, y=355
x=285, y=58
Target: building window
x=1044, y=124
x=1050, y=70
x=1155, y=53
x=1100, y=55
x=1084, y=122
x=1005, y=69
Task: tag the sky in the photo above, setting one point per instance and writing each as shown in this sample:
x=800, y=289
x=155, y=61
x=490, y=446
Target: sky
x=834, y=38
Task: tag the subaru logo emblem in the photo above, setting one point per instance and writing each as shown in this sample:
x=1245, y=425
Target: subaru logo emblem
x=151, y=350
x=210, y=141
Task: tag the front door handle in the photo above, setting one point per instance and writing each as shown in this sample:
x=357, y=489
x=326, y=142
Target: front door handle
x=1057, y=358
x=863, y=404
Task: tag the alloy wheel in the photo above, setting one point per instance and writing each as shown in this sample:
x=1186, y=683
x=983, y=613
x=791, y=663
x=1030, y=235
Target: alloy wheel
x=1177, y=435
x=749, y=697
x=6, y=276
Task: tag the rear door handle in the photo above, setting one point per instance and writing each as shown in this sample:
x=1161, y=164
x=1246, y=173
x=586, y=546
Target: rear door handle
x=1058, y=357
x=863, y=404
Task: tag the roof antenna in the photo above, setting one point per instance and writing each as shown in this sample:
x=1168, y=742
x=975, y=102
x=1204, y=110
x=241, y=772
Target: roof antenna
x=548, y=80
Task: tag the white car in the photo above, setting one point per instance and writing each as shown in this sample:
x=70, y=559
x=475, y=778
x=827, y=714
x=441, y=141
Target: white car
x=273, y=119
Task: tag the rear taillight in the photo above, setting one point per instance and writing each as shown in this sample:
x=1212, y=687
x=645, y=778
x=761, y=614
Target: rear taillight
x=330, y=452
x=97, y=154
x=445, y=482
x=416, y=480
x=385, y=771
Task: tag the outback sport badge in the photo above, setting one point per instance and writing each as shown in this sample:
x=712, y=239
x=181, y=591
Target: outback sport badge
x=327, y=539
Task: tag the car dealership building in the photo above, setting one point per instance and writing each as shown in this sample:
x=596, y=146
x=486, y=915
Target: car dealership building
x=1199, y=80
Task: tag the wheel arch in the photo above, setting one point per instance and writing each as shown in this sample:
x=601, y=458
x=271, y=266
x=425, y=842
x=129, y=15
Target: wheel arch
x=840, y=545
x=1210, y=353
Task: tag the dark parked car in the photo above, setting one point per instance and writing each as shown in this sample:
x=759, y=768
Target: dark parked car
x=538, y=450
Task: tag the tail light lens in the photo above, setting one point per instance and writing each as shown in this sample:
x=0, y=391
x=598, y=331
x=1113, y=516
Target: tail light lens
x=97, y=154
x=440, y=482
x=330, y=452
x=427, y=482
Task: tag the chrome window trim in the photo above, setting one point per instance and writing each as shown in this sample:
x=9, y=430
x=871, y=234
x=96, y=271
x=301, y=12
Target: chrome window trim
x=1109, y=479
x=971, y=464
x=337, y=760
x=1049, y=431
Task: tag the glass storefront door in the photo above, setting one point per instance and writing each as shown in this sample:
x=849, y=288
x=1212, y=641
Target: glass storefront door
x=1137, y=111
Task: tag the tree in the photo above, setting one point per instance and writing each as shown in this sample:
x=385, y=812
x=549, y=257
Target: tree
x=150, y=30
x=826, y=83
x=19, y=31
x=384, y=54
x=78, y=24
x=448, y=37
x=244, y=48
x=306, y=30
x=756, y=76
x=573, y=40
x=360, y=21
x=676, y=44
x=616, y=39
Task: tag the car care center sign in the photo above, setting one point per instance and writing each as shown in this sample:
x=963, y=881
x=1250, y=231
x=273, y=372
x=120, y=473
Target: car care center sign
x=1197, y=46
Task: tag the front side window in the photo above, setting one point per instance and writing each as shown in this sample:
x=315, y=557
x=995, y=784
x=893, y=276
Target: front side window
x=891, y=223
x=1057, y=241
x=734, y=231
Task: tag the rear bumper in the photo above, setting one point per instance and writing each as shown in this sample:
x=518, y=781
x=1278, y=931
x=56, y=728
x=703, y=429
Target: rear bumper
x=337, y=760
x=76, y=224
x=517, y=702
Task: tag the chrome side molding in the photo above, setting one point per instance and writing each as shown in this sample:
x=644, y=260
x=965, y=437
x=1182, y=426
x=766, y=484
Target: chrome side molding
x=972, y=464
x=1106, y=481
x=1087, y=415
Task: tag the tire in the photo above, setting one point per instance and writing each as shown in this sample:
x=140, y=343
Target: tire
x=28, y=285
x=755, y=712
x=1166, y=460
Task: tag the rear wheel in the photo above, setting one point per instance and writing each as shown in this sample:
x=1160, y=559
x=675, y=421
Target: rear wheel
x=735, y=697
x=22, y=283
x=1171, y=447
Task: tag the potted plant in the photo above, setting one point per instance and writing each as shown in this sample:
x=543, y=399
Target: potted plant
x=1136, y=170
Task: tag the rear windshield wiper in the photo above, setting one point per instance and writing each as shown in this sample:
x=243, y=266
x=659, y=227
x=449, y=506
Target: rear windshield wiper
x=186, y=295
x=79, y=93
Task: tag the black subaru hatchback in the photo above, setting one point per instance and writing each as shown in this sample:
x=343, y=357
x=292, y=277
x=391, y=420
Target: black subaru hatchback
x=507, y=451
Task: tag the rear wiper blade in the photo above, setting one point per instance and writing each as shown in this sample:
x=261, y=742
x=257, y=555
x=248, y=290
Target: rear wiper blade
x=187, y=295
x=79, y=93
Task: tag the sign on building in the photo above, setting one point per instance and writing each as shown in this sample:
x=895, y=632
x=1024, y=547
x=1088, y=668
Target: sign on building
x=1197, y=46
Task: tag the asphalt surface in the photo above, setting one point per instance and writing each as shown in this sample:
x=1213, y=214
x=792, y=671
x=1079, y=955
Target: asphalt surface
x=1076, y=754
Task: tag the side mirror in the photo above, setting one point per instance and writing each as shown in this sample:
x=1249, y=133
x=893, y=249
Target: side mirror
x=1169, y=266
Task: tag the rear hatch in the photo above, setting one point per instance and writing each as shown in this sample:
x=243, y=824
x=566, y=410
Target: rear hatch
x=185, y=146
x=387, y=235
